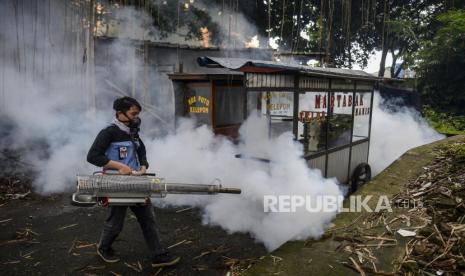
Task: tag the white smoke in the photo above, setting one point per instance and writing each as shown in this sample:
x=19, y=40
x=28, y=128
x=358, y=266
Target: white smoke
x=45, y=95
x=47, y=89
x=129, y=23
x=393, y=133
x=195, y=155
x=235, y=30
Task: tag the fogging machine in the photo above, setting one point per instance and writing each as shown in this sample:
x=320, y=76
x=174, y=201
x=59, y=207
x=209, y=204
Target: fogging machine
x=130, y=190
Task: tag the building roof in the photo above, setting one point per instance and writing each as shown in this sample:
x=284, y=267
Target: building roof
x=264, y=66
x=167, y=44
x=230, y=75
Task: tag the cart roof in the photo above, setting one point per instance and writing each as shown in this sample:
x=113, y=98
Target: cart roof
x=265, y=66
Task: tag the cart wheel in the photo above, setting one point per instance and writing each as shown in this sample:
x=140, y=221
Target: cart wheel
x=361, y=175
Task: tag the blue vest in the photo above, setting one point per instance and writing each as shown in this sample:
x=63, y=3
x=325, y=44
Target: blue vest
x=124, y=152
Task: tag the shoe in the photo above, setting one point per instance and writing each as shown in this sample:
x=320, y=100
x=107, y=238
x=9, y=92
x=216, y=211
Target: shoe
x=108, y=256
x=165, y=259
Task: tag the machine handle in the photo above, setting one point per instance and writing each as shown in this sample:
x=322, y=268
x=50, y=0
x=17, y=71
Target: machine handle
x=229, y=191
x=115, y=172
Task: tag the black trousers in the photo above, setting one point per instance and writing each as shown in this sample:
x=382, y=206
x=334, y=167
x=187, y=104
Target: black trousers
x=146, y=218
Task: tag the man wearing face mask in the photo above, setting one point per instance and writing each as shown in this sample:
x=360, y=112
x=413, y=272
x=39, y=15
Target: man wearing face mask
x=119, y=147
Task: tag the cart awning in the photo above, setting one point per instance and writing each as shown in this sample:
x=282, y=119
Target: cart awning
x=265, y=66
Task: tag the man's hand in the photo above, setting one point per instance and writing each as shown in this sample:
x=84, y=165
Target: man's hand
x=124, y=170
x=142, y=170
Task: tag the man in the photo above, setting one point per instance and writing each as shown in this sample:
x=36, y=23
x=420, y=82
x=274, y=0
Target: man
x=119, y=147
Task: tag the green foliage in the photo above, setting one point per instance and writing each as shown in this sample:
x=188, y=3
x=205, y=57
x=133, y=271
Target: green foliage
x=458, y=151
x=349, y=30
x=444, y=123
x=441, y=69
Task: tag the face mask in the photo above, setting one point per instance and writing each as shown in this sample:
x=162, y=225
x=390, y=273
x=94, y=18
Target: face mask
x=134, y=124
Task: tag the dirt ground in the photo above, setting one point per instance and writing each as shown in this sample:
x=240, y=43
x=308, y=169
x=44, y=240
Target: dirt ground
x=48, y=236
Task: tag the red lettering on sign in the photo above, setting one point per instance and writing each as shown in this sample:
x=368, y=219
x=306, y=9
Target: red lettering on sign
x=317, y=101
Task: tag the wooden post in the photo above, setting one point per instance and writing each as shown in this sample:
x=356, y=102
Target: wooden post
x=90, y=68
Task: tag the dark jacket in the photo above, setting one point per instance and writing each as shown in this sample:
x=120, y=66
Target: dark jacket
x=114, y=144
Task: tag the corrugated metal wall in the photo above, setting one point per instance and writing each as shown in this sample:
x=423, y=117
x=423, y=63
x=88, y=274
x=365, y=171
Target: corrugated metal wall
x=359, y=155
x=318, y=163
x=338, y=164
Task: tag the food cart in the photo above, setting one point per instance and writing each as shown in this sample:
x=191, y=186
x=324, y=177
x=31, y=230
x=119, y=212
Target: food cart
x=328, y=110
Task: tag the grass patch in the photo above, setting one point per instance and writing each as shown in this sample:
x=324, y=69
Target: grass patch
x=445, y=123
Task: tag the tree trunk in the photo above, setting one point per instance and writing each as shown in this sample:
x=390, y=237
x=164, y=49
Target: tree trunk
x=393, y=64
x=382, y=65
x=329, y=37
